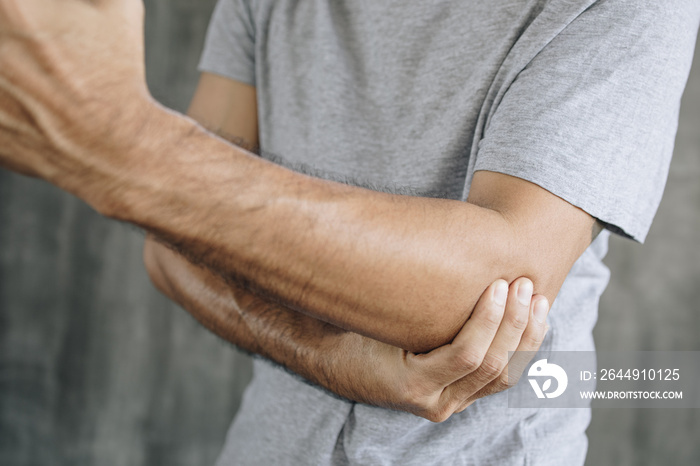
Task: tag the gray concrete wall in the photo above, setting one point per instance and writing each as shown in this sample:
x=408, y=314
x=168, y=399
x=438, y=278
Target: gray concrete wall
x=96, y=368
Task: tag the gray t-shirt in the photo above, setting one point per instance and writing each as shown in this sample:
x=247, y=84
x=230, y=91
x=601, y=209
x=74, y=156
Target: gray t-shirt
x=578, y=96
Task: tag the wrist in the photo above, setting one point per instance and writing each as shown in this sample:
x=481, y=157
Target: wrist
x=139, y=162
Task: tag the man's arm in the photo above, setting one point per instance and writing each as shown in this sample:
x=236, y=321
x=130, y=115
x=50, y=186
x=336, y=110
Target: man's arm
x=361, y=369
x=404, y=270
x=433, y=385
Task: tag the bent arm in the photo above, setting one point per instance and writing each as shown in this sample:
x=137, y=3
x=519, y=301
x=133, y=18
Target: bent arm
x=399, y=269
x=433, y=385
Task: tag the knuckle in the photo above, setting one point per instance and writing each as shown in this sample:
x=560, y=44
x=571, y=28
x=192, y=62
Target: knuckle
x=466, y=359
x=439, y=414
x=517, y=365
x=517, y=320
x=492, y=366
x=497, y=386
x=502, y=382
x=464, y=406
x=414, y=395
x=532, y=340
x=492, y=318
x=507, y=380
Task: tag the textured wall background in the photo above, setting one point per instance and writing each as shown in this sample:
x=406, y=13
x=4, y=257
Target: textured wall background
x=96, y=368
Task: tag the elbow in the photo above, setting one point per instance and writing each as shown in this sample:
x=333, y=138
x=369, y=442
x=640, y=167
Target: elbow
x=425, y=338
x=451, y=298
x=454, y=291
x=441, y=324
x=438, y=324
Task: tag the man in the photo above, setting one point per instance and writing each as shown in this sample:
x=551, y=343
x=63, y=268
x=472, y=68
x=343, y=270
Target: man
x=543, y=117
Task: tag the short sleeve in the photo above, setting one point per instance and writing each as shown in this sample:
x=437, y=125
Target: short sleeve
x=229, y=49
x=593, y=117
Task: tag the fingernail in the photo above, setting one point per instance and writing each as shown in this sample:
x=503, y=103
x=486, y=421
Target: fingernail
x=500, y=294
x=525, y=292
x=540, y=311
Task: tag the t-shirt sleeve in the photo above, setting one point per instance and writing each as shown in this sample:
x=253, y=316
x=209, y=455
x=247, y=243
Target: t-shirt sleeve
x=593, y=117
x=229, y=49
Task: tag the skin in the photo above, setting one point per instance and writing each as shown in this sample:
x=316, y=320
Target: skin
x=432, y=385
x=400, y=269
x=406, y=271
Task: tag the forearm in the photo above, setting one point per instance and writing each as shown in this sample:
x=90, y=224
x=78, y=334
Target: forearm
x=401, y=269
x=433, y=385
x=404, y=270
x=320, y=352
